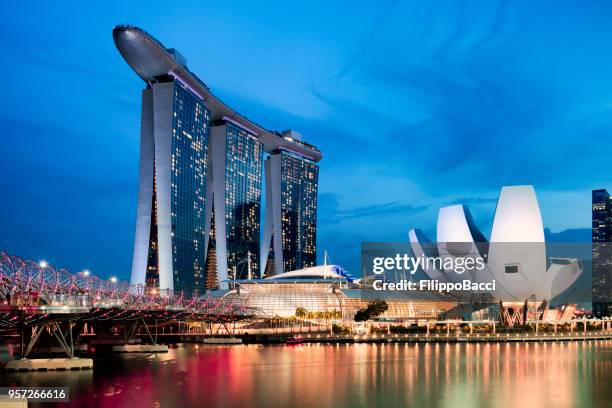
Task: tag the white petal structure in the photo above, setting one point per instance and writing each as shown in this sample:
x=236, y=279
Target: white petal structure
x=457, y=237
x=423, y=247
x=562, y=273
x=517, y=217
x=515, y=255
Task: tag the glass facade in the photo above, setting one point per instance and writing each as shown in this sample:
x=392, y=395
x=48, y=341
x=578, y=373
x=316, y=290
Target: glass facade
x=602, y=253
x=243, y=178
x=602, y=215
x=299, y=185
x=188, y=189
x=272, y=299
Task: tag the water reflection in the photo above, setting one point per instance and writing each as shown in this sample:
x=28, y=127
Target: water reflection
x=430, y=375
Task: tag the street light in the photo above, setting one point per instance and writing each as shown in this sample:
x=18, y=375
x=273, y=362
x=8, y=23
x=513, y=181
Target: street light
x=43, y=264
x=113, y=279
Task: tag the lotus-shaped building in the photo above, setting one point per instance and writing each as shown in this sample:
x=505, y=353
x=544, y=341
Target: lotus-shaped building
x=515, y=256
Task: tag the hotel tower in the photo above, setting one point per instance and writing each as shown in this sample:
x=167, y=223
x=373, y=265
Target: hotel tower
x=290, y=232
x=602, y=253
x=201, y=177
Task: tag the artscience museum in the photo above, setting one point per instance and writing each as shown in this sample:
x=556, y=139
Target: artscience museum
x=516, y=253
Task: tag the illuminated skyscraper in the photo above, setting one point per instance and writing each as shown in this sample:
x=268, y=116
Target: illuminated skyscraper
x=602, y=255
x=169, y=249
x=236, y=164
x=290, y=232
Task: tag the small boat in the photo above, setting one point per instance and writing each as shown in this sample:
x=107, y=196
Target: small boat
x=294, y=340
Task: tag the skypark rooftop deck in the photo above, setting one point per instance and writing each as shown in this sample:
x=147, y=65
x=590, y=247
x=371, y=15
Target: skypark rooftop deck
x=151, y=61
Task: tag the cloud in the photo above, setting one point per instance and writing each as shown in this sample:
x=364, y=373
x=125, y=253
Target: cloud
x=569, y=235
x=462, y=115
x=472, y=201
x=330, y=212
x=366, y=44
x=34, y=48
x=380, y=209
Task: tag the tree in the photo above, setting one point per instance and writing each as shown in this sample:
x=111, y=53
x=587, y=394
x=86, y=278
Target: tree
x=378, y=307
x=373, y=310
x=300, y=312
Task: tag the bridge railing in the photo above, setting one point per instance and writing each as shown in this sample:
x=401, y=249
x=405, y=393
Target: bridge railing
x=28, y=283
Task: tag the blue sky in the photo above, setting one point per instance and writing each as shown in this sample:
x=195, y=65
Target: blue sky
x=415, y=105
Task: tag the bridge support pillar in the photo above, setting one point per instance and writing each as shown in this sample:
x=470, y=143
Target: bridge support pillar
x=153, y=339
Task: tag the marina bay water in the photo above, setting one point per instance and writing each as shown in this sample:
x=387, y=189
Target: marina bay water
x=570, y=374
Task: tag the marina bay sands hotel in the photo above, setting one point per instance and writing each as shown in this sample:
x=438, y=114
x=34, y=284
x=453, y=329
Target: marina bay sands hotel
x=201, y=178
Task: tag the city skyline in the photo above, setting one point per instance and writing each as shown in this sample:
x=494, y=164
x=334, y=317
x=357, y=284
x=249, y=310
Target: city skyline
x=425, y=141
x=205, y=202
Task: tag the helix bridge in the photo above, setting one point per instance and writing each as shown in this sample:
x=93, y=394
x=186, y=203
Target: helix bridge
x=37, y=297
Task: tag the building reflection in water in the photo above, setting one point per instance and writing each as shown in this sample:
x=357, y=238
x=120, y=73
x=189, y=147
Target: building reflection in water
x=441, y=375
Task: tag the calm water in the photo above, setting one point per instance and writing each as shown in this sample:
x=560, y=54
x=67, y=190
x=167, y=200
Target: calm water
x=457, y=375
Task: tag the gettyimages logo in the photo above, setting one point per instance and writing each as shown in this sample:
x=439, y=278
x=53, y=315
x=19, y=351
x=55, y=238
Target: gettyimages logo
x=411, y=264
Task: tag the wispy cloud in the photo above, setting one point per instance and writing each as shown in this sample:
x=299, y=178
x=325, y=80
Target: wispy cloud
x=472, y=201
x=330, y=212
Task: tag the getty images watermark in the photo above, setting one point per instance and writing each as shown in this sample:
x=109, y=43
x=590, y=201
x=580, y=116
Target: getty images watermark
x=487, y=271
x=389, y=273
